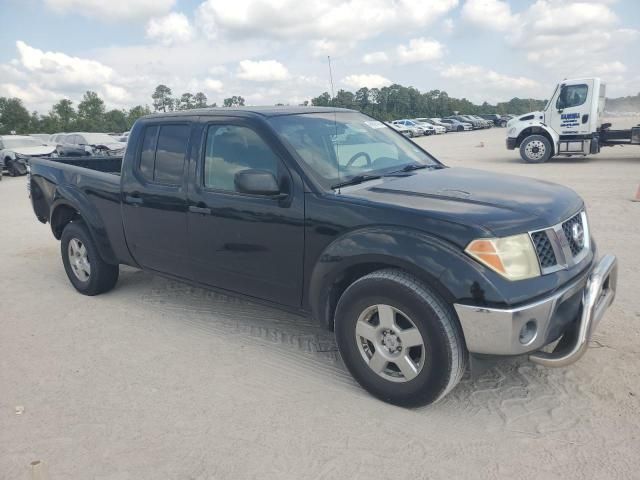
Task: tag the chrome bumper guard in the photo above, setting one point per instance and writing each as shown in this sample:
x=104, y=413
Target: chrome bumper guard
x=492, y=331
x=597, y=296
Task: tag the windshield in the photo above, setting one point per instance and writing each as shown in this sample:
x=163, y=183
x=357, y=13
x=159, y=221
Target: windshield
x=338, y=147
x=98, y=138
x=9, y=142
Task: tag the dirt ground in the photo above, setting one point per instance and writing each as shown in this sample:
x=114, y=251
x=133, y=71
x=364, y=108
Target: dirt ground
x=158, y=380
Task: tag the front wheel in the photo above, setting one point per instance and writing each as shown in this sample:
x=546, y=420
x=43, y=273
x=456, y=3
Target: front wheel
x=87, y=271
x=536, y=149
x=399, y=338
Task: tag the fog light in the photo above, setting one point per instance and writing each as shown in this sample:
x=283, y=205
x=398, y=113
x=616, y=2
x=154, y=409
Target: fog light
x=528, y=332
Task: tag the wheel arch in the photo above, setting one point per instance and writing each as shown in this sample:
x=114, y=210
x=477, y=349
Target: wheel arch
x=432, y=261
x=537, y=130
x=70, y=208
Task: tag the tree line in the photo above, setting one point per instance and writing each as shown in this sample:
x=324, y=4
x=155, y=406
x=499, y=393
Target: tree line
x=397, y=101
x=386, y=103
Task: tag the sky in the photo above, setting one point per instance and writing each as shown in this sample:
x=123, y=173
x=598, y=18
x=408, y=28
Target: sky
x=276, y=51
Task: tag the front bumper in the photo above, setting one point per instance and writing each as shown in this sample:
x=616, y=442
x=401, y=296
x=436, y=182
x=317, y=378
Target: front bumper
x=511, y=143
x=574, y=311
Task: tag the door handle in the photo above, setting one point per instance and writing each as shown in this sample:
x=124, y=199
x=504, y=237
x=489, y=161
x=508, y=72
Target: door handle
x=133, y=200
x=201, y=210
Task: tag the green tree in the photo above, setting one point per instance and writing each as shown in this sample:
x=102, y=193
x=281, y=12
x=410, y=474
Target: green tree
x=65, y=114
x=234, y=101
x=116, y=121
x=91, y=112
x=14, y=117
x=200, y=100
x=135, y=113
x=187, y=102
x=162, y=101
x=322, y=100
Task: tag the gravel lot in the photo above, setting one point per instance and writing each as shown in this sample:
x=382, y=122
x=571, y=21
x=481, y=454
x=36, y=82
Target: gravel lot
x=161, y=380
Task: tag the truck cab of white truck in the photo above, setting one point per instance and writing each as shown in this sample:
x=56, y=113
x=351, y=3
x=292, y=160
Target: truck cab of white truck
x=570, y=124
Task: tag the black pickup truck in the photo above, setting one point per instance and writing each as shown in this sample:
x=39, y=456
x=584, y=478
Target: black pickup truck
x=416, y=267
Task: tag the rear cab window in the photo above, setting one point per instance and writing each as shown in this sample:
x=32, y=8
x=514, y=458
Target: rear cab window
x=163, y=153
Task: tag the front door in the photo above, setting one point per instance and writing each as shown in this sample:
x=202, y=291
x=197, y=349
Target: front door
x=251, y=244
x=569, y=113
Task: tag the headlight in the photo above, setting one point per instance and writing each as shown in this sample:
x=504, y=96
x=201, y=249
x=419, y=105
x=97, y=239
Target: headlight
x=512, y=257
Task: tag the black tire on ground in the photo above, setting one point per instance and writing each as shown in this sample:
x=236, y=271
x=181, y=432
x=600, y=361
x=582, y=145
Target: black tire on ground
x=503, y=124
x=460, y=128
x=102, y=277
x=442, y=359
x=536, y=149
x=410, y=134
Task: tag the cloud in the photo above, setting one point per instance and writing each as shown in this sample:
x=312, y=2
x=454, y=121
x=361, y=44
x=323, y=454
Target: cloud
x=481, y=83
x=329, y=19
x=61, y=69
x=420, y=50
x=375, y=57
x=366, y=80
x=171, y=29
x=113, y=9
x=492, y=14
x=262, y=71
x=213, y=85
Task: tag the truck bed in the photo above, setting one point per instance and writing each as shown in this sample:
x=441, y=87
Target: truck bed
x=104, y=164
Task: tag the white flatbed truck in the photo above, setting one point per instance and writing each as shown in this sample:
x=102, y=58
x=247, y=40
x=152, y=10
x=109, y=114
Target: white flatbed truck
x=570, y=124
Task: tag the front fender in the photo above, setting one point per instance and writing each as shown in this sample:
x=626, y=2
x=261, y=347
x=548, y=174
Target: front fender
x=69, y=196
x=436, y=262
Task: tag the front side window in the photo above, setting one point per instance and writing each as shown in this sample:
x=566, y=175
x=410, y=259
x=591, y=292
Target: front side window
x=163, y=152
x=336, y=147
x=572, y=96
x=231, y=149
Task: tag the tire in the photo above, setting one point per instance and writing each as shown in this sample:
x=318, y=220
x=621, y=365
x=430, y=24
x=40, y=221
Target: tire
x=372, y=318
x=87, y=271
x=536, y=149
x=410, y=134
x=460, y=128
x=503, y=124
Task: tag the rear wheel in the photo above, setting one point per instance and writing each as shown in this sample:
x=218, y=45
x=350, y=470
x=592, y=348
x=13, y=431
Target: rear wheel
x=399, y=339
x=87, y=272
x=536, y=149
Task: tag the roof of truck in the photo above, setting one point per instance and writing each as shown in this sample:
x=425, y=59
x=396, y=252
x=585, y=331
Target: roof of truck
x=249, y=111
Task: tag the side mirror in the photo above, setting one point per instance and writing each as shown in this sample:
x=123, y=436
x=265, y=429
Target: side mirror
x=257, y=182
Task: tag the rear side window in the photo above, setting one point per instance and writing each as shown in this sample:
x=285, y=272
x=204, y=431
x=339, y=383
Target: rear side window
x=163, y=152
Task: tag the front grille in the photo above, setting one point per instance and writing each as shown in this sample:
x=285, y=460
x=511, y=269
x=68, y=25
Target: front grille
x=544, y=249
x=576, y=242
x=562, y=245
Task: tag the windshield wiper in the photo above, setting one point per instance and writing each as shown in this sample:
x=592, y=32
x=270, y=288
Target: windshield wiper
x=355, y=180
x=413, y=166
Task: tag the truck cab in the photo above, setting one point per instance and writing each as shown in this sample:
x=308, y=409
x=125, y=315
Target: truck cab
x=568, y=125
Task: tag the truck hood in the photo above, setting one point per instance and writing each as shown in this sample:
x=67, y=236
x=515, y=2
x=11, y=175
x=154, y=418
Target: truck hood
x=31, y=151
x=500, y=204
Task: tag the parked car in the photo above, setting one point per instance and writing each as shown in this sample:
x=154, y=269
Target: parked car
x=416, y=267
x=16, y=150
x=418, y=130
x=497, y=120
x=437, y=129
x=42, y=137
x=448, y=126
x=485, y=122
x=475, y=125
x=407, y=132
x=74, y=144
x=457, y=125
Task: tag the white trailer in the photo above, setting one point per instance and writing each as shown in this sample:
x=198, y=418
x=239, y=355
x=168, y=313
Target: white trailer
x=570, y=124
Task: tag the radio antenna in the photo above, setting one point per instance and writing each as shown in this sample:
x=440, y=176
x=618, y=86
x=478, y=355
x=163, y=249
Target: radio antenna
x=335, y=120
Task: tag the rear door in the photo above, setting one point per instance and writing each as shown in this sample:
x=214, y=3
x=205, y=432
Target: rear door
x=251, y=244
x=154, y=198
